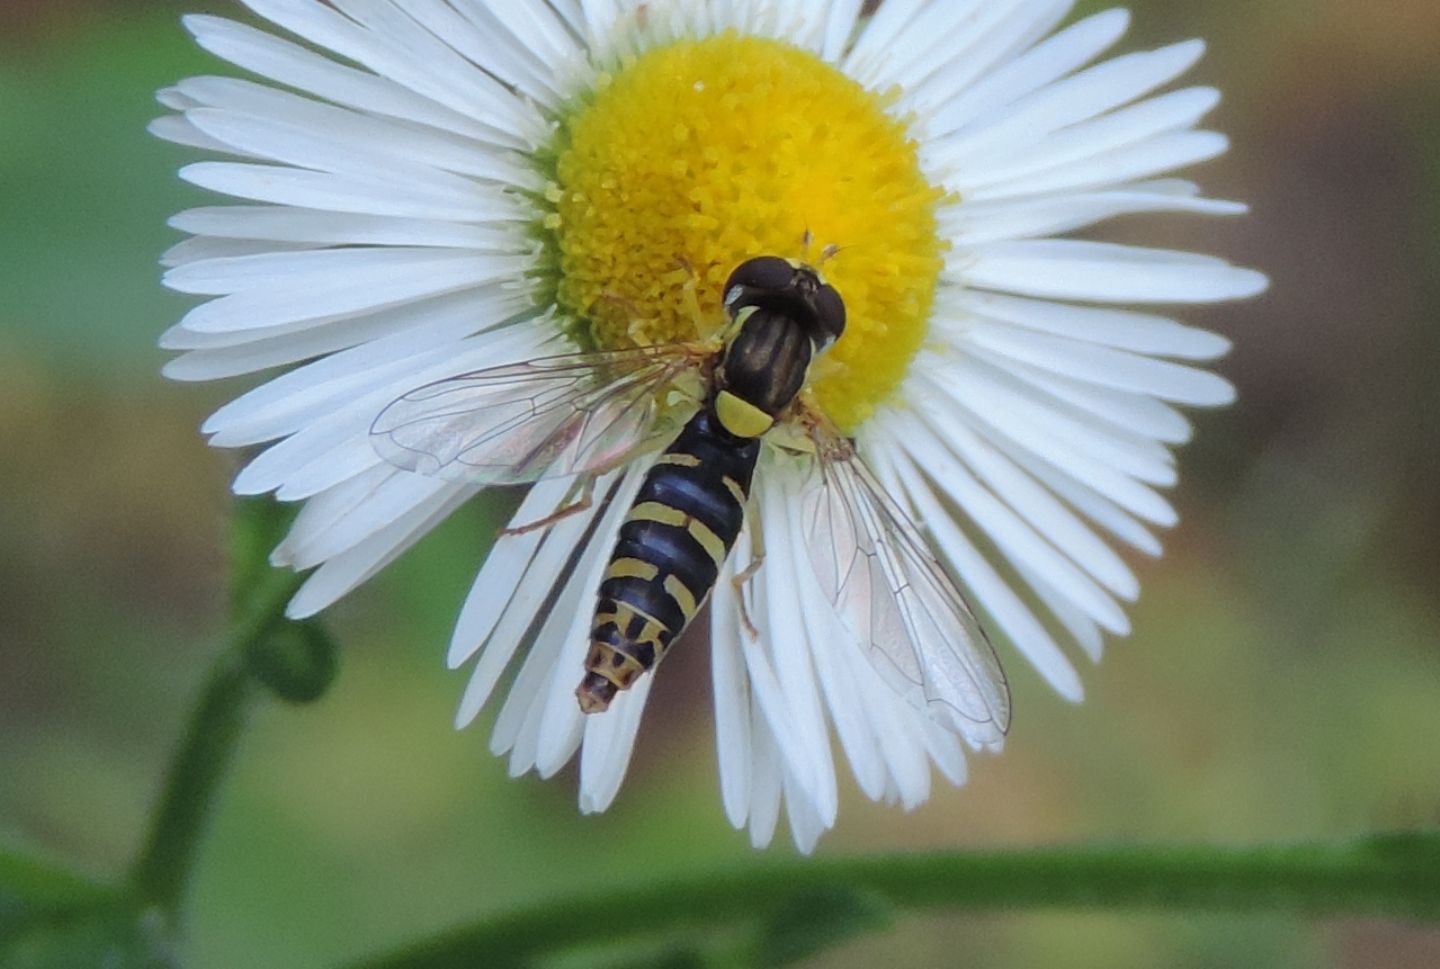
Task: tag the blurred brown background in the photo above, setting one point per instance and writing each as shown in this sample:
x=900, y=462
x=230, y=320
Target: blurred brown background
x=1283, y=680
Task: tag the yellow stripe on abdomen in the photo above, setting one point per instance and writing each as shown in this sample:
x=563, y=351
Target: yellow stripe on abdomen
x=628, y=568
x=682, y=595
x=713, y=544
x=654, y=511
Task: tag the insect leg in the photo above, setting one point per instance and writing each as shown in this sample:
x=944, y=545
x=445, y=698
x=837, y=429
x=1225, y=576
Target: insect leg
x=615, y=299
x=586, y=499
x=689, y=282
x=743, y=577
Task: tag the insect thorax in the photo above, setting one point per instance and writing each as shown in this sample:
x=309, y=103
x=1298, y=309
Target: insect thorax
x=766, y=361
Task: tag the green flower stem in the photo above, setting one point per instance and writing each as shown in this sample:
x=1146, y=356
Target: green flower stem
x=216, y=725
x=1387, y=875
x=36, y=882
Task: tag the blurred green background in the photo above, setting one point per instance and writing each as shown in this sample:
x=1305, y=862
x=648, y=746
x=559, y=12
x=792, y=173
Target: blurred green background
x=1283, y=679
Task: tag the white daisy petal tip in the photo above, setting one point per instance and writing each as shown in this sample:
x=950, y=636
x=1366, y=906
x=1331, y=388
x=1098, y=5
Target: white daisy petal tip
x=177, y=368
x=463, y=718
x=427, y=191
x=1219, y=393
x=1248, y=283
x=163, y=126
x=460, y=653
x=304, y=605
x=1227, y=207
x=1111, y=23
x=198, y=23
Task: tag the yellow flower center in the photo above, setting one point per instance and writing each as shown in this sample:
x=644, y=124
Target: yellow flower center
x=699, y=154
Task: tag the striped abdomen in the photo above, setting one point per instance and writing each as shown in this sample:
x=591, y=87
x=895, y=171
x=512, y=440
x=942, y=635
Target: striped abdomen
x=680, y=529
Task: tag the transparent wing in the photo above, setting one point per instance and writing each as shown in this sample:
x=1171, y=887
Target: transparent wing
x=893, y=594
x=546, y=418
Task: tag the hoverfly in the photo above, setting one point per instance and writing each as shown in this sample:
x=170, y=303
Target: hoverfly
x=584, y=414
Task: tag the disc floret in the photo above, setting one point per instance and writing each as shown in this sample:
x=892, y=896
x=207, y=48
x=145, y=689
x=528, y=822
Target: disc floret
x=694, y=156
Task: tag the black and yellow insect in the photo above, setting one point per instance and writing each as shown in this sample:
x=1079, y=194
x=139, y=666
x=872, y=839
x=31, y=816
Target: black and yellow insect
x=584, y=415
x=691, y=505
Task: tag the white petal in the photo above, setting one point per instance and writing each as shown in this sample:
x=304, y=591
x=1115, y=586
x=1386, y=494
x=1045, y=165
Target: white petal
x=269, y=412
x=253, y=350
x=609, y=742
x=315, y=391
x=807, y=822
x=766, y=780
x=1017, y=541
x=270, y=290
x=847, y=686
x=1081, y=628
x=197, y=250
x=309, y=134
x=502, y=603
x=537, y=27
x=941, y=62
x=504, y=573
x=907, y=42
x=1066, y=51
x=365, y=194
x=1028, y=152
x=840, y=23
x=561, y=723
x=521, y=43
x=732, y=697
x=294, y=66
x=403, y=52
x=945, y=750
x=1084, y=270
x=600, y=17
x=1121, y=329
x=805, y=746
x=174, y=99
x=177, y=129
x=333, y=448
x=878, y=34
x=391, y=499
x=990, y=591
x=1153, y=156
x=326, y=510
x=982, y=222
x=1103, y=366
x=795, y=748
x=900, y=732
x=342, y=574
x=1048, y=515
x=286, y=224
x=1090, y=93
x=474, y=31
x=1046, y=424
x=1134, y=415
x=527, y=694
x=1088, y=501
x=571, y=14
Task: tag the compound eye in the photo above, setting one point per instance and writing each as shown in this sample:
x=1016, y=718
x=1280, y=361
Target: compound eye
x=768, y=273
x=829, y=313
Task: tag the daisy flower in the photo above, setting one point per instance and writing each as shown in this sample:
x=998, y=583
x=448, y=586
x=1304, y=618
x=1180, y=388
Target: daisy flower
x=437, y=187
